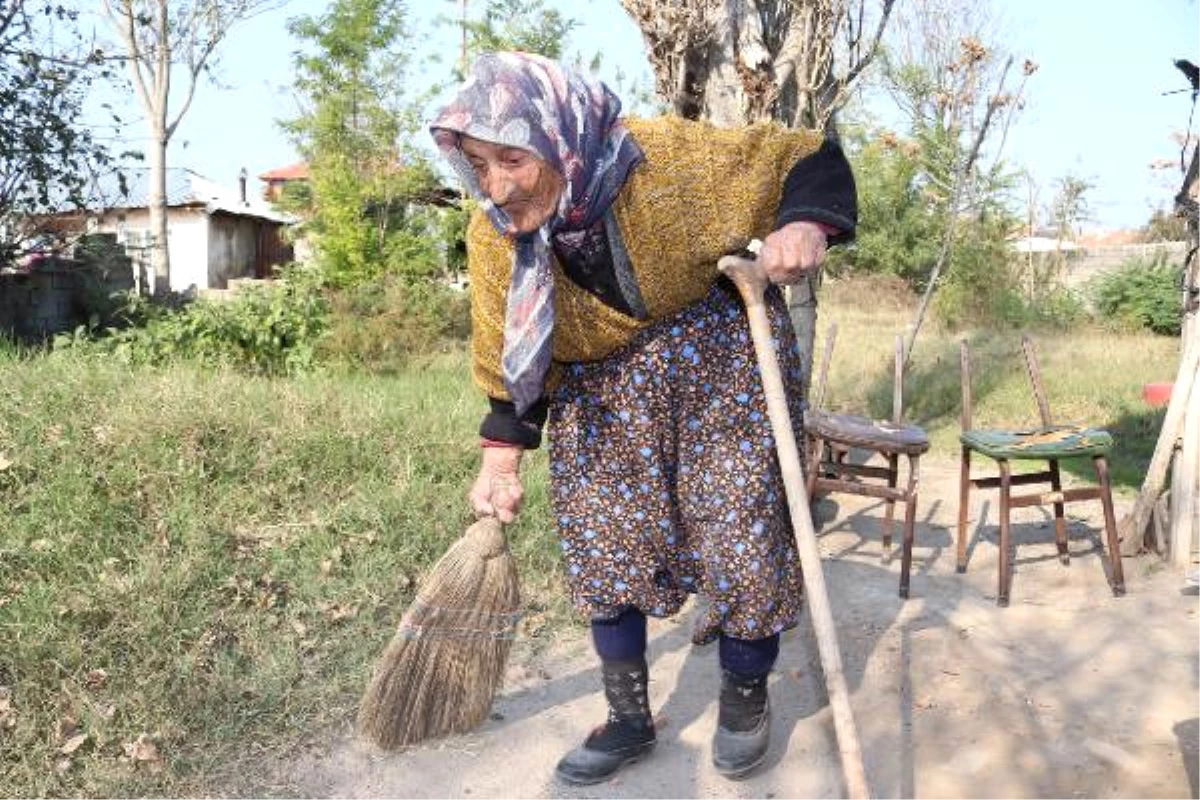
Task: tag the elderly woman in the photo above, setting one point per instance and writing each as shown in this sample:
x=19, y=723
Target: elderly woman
x=599, y=314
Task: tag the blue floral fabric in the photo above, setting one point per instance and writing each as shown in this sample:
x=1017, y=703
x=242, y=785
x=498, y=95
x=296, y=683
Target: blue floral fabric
x=664, y=476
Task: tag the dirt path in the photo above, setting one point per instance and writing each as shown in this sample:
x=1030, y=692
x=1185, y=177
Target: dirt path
x=1070, y=692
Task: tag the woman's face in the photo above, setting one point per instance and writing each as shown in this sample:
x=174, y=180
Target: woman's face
x=516, y=180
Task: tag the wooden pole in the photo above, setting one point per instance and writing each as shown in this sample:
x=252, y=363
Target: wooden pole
x=751, y=283
x=1133, y=526
x=1181, y=407
x=1185, y=506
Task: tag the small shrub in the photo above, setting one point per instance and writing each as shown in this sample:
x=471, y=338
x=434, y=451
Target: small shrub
x=267, y=330
x=1141, y=294
x=379, y=326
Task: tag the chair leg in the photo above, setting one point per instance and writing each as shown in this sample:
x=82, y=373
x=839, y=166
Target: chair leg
x=910, y=520
x=1005, y=533
x=964, y=495
x=1110, y=526
x=812, y=447
x=1060, y=517
x=890, y=512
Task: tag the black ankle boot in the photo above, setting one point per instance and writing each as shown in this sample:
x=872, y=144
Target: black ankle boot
x=625, y=737
x=743, y=725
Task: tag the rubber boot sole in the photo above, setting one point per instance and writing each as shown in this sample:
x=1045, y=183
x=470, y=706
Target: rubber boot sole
x=580, y=779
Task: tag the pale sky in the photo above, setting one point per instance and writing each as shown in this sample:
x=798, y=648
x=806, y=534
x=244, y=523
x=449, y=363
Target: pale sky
x=1096, y=107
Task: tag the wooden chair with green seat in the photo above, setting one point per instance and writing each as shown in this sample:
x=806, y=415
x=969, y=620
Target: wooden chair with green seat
x=829, y=437
x=1049, y=443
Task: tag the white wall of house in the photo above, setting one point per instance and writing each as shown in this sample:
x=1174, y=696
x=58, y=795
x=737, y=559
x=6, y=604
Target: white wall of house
x=187, y=243
x=206, y=251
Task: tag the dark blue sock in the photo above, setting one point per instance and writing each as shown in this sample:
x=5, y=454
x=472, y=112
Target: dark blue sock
x=749, y=658
x=622, y=638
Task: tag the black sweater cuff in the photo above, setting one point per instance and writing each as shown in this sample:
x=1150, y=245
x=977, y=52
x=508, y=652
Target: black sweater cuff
x=501, y=424
x=820, y=188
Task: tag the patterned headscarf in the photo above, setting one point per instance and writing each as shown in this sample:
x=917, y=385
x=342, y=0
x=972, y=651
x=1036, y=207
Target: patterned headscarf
x=571, y=123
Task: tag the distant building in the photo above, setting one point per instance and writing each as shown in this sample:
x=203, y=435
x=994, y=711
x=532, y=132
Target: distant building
x=214, y=233
x=277, y=179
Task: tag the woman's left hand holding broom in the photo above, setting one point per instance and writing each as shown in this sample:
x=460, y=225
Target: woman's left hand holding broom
x=498, y=492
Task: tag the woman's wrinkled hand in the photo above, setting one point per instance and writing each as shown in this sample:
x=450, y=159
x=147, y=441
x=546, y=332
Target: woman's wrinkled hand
x=498, y=491
x=793, y=252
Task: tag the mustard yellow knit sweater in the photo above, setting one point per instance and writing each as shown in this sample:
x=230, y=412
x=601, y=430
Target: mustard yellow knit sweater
x=700, y=193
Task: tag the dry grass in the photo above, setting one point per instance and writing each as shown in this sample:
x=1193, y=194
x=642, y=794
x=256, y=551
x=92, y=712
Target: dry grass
x=1092, y=375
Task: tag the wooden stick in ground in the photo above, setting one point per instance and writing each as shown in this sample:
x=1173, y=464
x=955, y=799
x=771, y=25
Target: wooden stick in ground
x=1185, y=504
x=1133, y=526
x=751, y=283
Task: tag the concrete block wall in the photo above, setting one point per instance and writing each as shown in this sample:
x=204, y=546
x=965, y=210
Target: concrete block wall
x=38, y=303
x=48, y=297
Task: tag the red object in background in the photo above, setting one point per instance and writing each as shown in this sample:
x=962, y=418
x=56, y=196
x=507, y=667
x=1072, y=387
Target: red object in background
x=1157, y=394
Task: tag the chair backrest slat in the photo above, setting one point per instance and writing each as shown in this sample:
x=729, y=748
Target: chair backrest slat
x=964, y=369
x=898, y=382
x=830, y=338
x=1035, y=377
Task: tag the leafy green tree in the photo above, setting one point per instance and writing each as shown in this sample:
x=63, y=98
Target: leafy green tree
x=47, y=159
x=366, y=210
x=897, y=231
x=519, y=25
x=958, y=95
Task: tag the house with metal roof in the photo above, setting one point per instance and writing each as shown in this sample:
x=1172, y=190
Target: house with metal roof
x=215, y=233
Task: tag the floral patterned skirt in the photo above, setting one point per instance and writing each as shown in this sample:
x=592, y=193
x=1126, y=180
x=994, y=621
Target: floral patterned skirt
x=664, y=477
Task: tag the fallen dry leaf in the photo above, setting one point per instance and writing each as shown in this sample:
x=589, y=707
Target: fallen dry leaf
x=143, y=749
x=336, y=612
x=96, y=678
x=5, y=462
x=73, y=744
x=8, y=714
x=68, y=727
x=53, y=435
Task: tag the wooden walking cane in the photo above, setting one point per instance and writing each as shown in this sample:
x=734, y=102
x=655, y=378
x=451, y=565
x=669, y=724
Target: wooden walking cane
x=751, y=283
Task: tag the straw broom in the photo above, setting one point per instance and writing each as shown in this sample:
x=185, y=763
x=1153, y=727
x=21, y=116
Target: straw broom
x=442, y=668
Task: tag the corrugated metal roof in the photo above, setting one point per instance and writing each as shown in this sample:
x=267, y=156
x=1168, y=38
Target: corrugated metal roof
x=184, y=188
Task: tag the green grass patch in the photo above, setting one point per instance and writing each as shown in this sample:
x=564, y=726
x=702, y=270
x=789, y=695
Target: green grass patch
x=212, y=562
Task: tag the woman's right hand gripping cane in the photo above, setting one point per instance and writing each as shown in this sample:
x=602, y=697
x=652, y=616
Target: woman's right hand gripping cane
x=497, y=491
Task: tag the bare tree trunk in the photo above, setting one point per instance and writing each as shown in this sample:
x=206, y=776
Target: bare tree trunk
x=160, y=259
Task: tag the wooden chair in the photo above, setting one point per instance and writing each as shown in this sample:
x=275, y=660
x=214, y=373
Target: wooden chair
x=1049, y=443
x=829, y=438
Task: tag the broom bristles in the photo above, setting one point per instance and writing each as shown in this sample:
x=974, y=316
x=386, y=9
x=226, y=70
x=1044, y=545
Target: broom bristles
x=441, y=670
